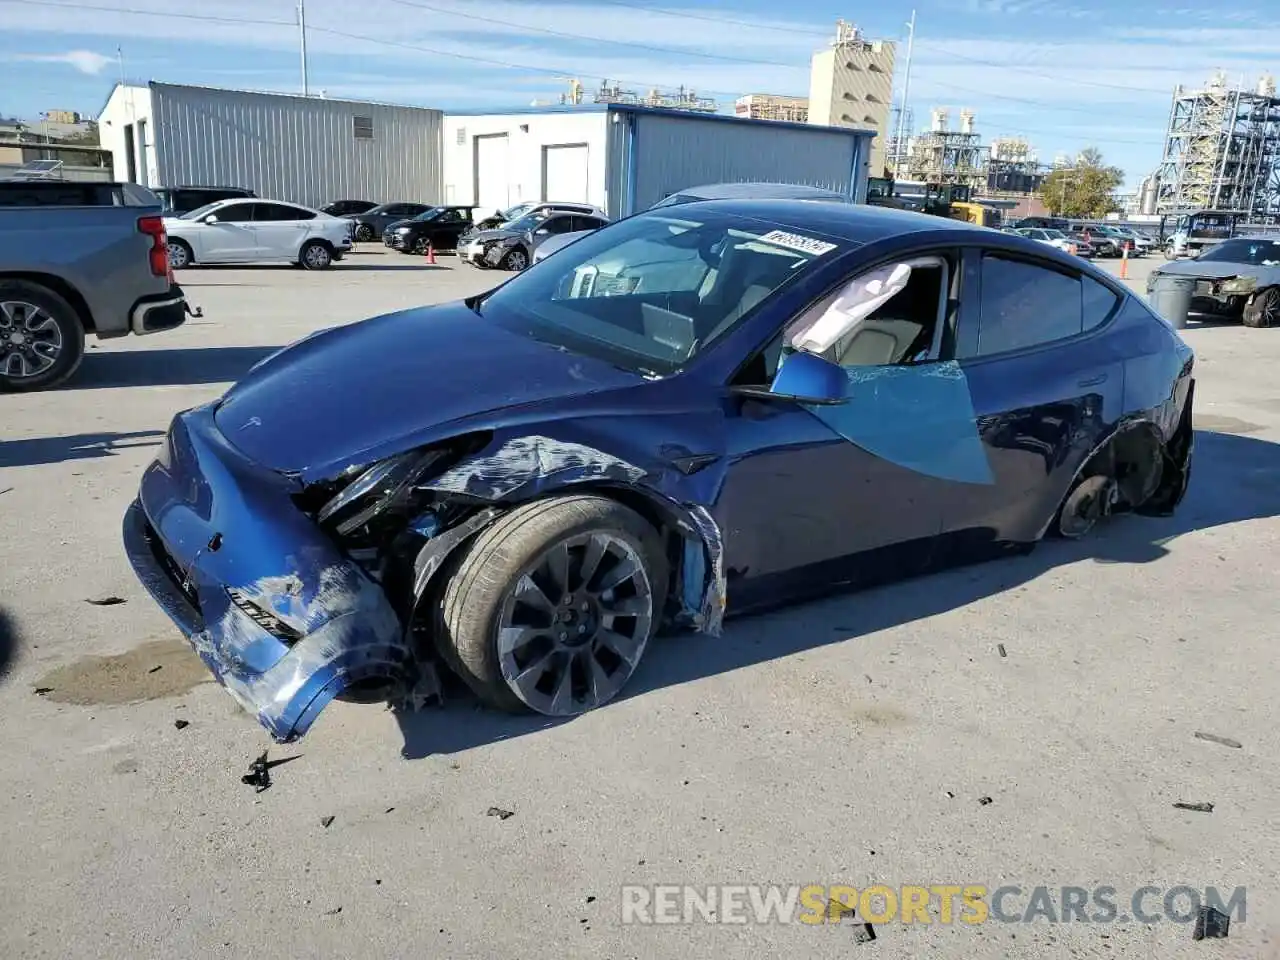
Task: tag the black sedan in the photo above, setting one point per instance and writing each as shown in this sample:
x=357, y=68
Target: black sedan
x=439, y=228
x=710, y=409
x=371, y=223
x=343, y=208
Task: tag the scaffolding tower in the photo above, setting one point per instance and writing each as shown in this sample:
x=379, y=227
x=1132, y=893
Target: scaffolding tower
x=1222, y=151
x=945, y=156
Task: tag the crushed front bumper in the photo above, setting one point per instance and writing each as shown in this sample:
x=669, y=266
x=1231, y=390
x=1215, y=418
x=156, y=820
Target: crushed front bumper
x=284, y=620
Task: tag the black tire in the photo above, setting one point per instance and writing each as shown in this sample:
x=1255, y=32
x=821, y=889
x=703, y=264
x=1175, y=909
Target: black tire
x=315, y=255
x=180, y=254
x=1264, y=311
x=469, y=611
x=516, y=259
x=419, y=247
x=17, y=298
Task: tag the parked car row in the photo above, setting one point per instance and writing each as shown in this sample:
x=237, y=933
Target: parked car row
x=1104, y=239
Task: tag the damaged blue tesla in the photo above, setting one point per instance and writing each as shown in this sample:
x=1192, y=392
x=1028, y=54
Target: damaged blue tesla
x=721, y=405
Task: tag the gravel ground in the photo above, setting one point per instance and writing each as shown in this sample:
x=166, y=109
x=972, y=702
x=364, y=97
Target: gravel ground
x=852, y=741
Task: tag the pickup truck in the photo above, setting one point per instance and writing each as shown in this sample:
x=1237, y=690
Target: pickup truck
x=97, y=267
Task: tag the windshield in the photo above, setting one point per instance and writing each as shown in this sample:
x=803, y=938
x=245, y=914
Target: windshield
x=428, y=214
x=518, y=210
x=1054, y=234
x=651, y=292
x=1256, y=253
x=199, y=212
x=528, y=222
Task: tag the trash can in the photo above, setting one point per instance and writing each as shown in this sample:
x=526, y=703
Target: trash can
x=1171, y=298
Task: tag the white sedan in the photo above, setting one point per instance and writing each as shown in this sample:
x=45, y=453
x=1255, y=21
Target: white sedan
x=251, y=230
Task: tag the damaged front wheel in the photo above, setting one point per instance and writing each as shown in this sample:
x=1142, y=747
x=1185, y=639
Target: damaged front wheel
x=552, y=606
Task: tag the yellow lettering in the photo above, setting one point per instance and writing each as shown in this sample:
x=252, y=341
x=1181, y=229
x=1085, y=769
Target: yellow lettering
x=814, y=901
x=973, y=899
x=945, y=894
x=915, y=905
x=889, y=898
x=844, y=900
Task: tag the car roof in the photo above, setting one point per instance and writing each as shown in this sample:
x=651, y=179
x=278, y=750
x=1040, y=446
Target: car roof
x=853, y=223
x=763, y=191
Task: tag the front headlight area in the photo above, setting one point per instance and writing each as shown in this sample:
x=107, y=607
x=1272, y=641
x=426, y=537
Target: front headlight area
x=374, y=510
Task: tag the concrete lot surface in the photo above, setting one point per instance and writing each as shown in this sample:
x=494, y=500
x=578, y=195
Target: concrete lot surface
x=851, y=741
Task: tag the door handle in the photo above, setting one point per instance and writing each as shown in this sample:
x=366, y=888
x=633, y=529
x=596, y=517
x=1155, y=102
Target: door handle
x=1093, y=381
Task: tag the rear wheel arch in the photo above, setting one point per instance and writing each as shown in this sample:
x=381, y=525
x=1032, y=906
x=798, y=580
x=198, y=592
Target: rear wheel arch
x=1131, y=458
x=62, y=288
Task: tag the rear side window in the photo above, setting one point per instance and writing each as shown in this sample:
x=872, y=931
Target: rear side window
x=1098, y=302
x=1024, y=305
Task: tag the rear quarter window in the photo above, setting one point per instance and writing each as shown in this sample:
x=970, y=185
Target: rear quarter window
x=1023, y=305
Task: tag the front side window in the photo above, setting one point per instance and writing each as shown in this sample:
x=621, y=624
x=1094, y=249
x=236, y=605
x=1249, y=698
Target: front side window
x=1024, y=305
x=653, y=292
x=234, y=213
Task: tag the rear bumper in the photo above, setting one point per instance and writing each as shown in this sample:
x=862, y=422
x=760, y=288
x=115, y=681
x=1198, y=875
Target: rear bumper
x=283, y=620
x=159, y=312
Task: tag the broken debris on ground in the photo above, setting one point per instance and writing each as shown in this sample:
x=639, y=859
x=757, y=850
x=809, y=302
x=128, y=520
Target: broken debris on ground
x=1221, y=741
x=181, y=724
x=1211, y=924
x=1194, y=807
x=106, y=601
x=500, y=813
x=259, y=775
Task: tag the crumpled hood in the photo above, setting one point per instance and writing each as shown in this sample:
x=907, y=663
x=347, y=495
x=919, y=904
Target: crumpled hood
x=341, y=395
x=1214, y=269
x=499, y=233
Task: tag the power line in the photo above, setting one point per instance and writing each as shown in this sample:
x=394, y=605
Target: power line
x=707, y=18
x=1074, y=81
x=579, y=36
x=153, y=13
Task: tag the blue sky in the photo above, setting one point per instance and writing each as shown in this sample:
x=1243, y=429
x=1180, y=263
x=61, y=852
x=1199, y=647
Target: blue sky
x=1064, y=73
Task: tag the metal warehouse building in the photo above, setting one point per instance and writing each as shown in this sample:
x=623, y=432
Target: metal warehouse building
x=625, y=158
x=307, y=150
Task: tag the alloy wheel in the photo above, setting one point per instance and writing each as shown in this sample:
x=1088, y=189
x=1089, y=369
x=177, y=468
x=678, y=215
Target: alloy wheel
x=316, y=257
x=30, y=340
x=574, y=627
x=177, y=255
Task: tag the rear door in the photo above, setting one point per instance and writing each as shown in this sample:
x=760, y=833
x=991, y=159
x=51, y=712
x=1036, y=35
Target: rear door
x=1043, y=384
x=280, y=229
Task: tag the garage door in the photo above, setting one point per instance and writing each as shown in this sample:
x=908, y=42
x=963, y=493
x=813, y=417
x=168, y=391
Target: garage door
x=493, y=176
x=564, y=172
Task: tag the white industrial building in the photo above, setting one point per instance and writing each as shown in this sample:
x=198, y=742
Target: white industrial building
x=621, y=157
x=625, y=157
x=307, y=150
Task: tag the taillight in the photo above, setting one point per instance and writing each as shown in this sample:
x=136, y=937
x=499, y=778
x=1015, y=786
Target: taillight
x=158, y=255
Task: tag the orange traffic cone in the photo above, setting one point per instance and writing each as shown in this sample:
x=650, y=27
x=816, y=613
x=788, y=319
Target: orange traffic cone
x=431, y=253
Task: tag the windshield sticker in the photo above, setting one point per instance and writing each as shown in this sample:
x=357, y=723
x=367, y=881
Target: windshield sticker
x=794, y=241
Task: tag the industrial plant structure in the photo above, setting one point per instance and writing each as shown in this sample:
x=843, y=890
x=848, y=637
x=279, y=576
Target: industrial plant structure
x=945, y=156
x=771, y=106
x=851, y=85
x=1222, y=151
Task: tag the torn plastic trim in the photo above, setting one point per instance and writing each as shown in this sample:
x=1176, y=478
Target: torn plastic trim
x=524, y=467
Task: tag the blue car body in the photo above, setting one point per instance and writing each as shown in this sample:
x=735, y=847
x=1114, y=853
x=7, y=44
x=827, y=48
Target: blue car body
x=763, y=497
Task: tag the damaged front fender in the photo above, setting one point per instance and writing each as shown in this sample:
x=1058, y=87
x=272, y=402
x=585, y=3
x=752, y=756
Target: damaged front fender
x=521, y=468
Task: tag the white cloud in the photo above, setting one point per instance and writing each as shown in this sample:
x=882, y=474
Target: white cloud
x=86, y=61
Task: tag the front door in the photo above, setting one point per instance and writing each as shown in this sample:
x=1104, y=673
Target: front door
x=851, y=492
x=1043, y=384
x=230, y=239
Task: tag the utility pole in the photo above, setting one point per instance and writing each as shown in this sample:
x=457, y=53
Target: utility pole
x=302, y=44
x=901, y=150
